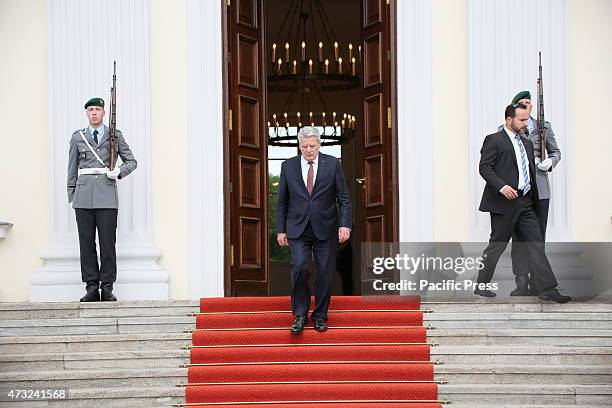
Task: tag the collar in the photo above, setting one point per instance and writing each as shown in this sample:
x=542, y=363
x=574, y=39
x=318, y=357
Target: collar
x=99, y=129
x=305, y=162
x=510, y=133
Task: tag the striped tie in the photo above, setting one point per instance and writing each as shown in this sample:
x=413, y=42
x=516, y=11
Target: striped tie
x=524, y=164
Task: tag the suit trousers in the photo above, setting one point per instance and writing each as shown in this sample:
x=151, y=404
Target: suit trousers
x=303, y=249
x=520, y=258
x=522, y=221
x=105, y=221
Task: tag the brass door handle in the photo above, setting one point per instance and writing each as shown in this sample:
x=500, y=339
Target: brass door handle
x=360, y=180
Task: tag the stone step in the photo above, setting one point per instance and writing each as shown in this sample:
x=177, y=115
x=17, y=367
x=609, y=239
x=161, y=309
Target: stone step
x=453, y=373
x=168, y=324
x=88, y=342
x=527, y=305
x=94, y=360
x=494, y=394
x=478, y=405
x=131, y=308
x=542, y=337
x=119, y=397
x=539, y=355
x=107, y=378
x=523, y=374
x=524, y=320
x=127, y=308
x=121, y=325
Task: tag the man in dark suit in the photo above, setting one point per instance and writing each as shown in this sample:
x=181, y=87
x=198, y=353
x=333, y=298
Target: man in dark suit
x=520, y=260
x=313, y=215
x=507, y=164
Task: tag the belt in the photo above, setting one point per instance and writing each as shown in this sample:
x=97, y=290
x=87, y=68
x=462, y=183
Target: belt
x=95, y=170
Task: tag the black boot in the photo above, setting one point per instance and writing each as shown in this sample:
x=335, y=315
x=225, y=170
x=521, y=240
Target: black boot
x=93, y=294
x=522, y=286
x=106, y=289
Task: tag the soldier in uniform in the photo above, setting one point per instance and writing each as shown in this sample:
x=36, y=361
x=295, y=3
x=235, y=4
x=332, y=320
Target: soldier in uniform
x=520, y=260
x=92, y=190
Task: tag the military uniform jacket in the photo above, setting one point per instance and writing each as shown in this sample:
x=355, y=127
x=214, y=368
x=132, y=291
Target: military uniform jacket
x=552, y=151
x=95, y=191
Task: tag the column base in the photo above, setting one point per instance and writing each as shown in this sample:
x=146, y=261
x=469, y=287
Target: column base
x=139, y=277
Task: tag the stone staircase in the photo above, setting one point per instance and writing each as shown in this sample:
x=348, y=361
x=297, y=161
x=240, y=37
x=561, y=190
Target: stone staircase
x=492, y=353
x=502, y=353
x=108, y=354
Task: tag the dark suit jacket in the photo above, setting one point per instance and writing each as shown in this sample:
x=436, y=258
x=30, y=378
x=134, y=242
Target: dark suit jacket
x=328, y=208
x=498, y=166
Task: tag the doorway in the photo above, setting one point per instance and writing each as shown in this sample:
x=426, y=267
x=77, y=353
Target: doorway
x=255, y=265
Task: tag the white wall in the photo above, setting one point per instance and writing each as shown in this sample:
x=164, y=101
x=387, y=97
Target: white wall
x=25, y=125
x=168, y=61
x=450, y=120
x=590, y=102
x=24, y=143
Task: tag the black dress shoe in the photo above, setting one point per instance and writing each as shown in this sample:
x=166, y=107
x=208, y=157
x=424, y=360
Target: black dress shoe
x=298, y=324
x=93, y=294
x=522, y=290
x=554, y=295
x=106, y=292
x=484, y=293
x=320, y=325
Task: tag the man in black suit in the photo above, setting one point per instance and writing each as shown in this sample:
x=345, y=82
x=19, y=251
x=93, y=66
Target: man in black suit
x=313, y=215
x=507, y=164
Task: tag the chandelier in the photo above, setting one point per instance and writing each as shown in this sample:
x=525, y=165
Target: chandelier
x=305, y=63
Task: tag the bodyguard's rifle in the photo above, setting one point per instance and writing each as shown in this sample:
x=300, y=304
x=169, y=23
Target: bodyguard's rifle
x=541, y=129
x=112, y=128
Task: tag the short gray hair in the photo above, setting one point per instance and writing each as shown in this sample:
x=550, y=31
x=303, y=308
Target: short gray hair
x=309, y=131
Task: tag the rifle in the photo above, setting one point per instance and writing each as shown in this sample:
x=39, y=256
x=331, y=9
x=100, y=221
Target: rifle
x=112, y=128
x=541, y=129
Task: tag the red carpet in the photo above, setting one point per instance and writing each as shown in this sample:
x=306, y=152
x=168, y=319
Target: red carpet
x=373, y=355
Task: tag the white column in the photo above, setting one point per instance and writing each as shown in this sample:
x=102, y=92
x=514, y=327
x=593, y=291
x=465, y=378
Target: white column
x=504, y=39
x=414, y=120
x=85, y=36
x=205, y=126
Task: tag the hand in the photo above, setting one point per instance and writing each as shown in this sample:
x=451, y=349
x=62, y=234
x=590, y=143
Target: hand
x=509, y=192
x=282, y=240
x=343, y=234
x=545, y=165
x=113, y=175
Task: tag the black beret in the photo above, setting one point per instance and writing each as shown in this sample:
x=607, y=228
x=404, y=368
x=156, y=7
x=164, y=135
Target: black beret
x=521, y=95
x=95, y=102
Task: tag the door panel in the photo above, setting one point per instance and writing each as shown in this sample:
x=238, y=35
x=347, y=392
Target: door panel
x=376, y=158
x=248, y=223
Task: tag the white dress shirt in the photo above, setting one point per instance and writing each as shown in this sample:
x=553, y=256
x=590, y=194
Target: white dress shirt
x=100, y=132
x=522, y=182
x=305, y=167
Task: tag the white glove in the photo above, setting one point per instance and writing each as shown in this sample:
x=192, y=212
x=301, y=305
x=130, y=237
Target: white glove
x=113, y=174
x=545, y=165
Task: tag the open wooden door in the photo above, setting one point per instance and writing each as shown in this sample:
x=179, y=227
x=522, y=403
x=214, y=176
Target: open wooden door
x=376, y=155
x=247, y=147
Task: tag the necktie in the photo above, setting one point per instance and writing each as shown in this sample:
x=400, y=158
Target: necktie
x=524, y=164
x=95, y=135
x=310, y=177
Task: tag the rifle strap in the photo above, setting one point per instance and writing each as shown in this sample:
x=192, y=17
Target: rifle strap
x=91, y=148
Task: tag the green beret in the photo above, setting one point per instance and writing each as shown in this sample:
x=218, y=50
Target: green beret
x=521, y=95
x=95, y=102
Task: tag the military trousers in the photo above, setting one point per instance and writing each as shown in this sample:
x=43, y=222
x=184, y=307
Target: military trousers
x=104, y=220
